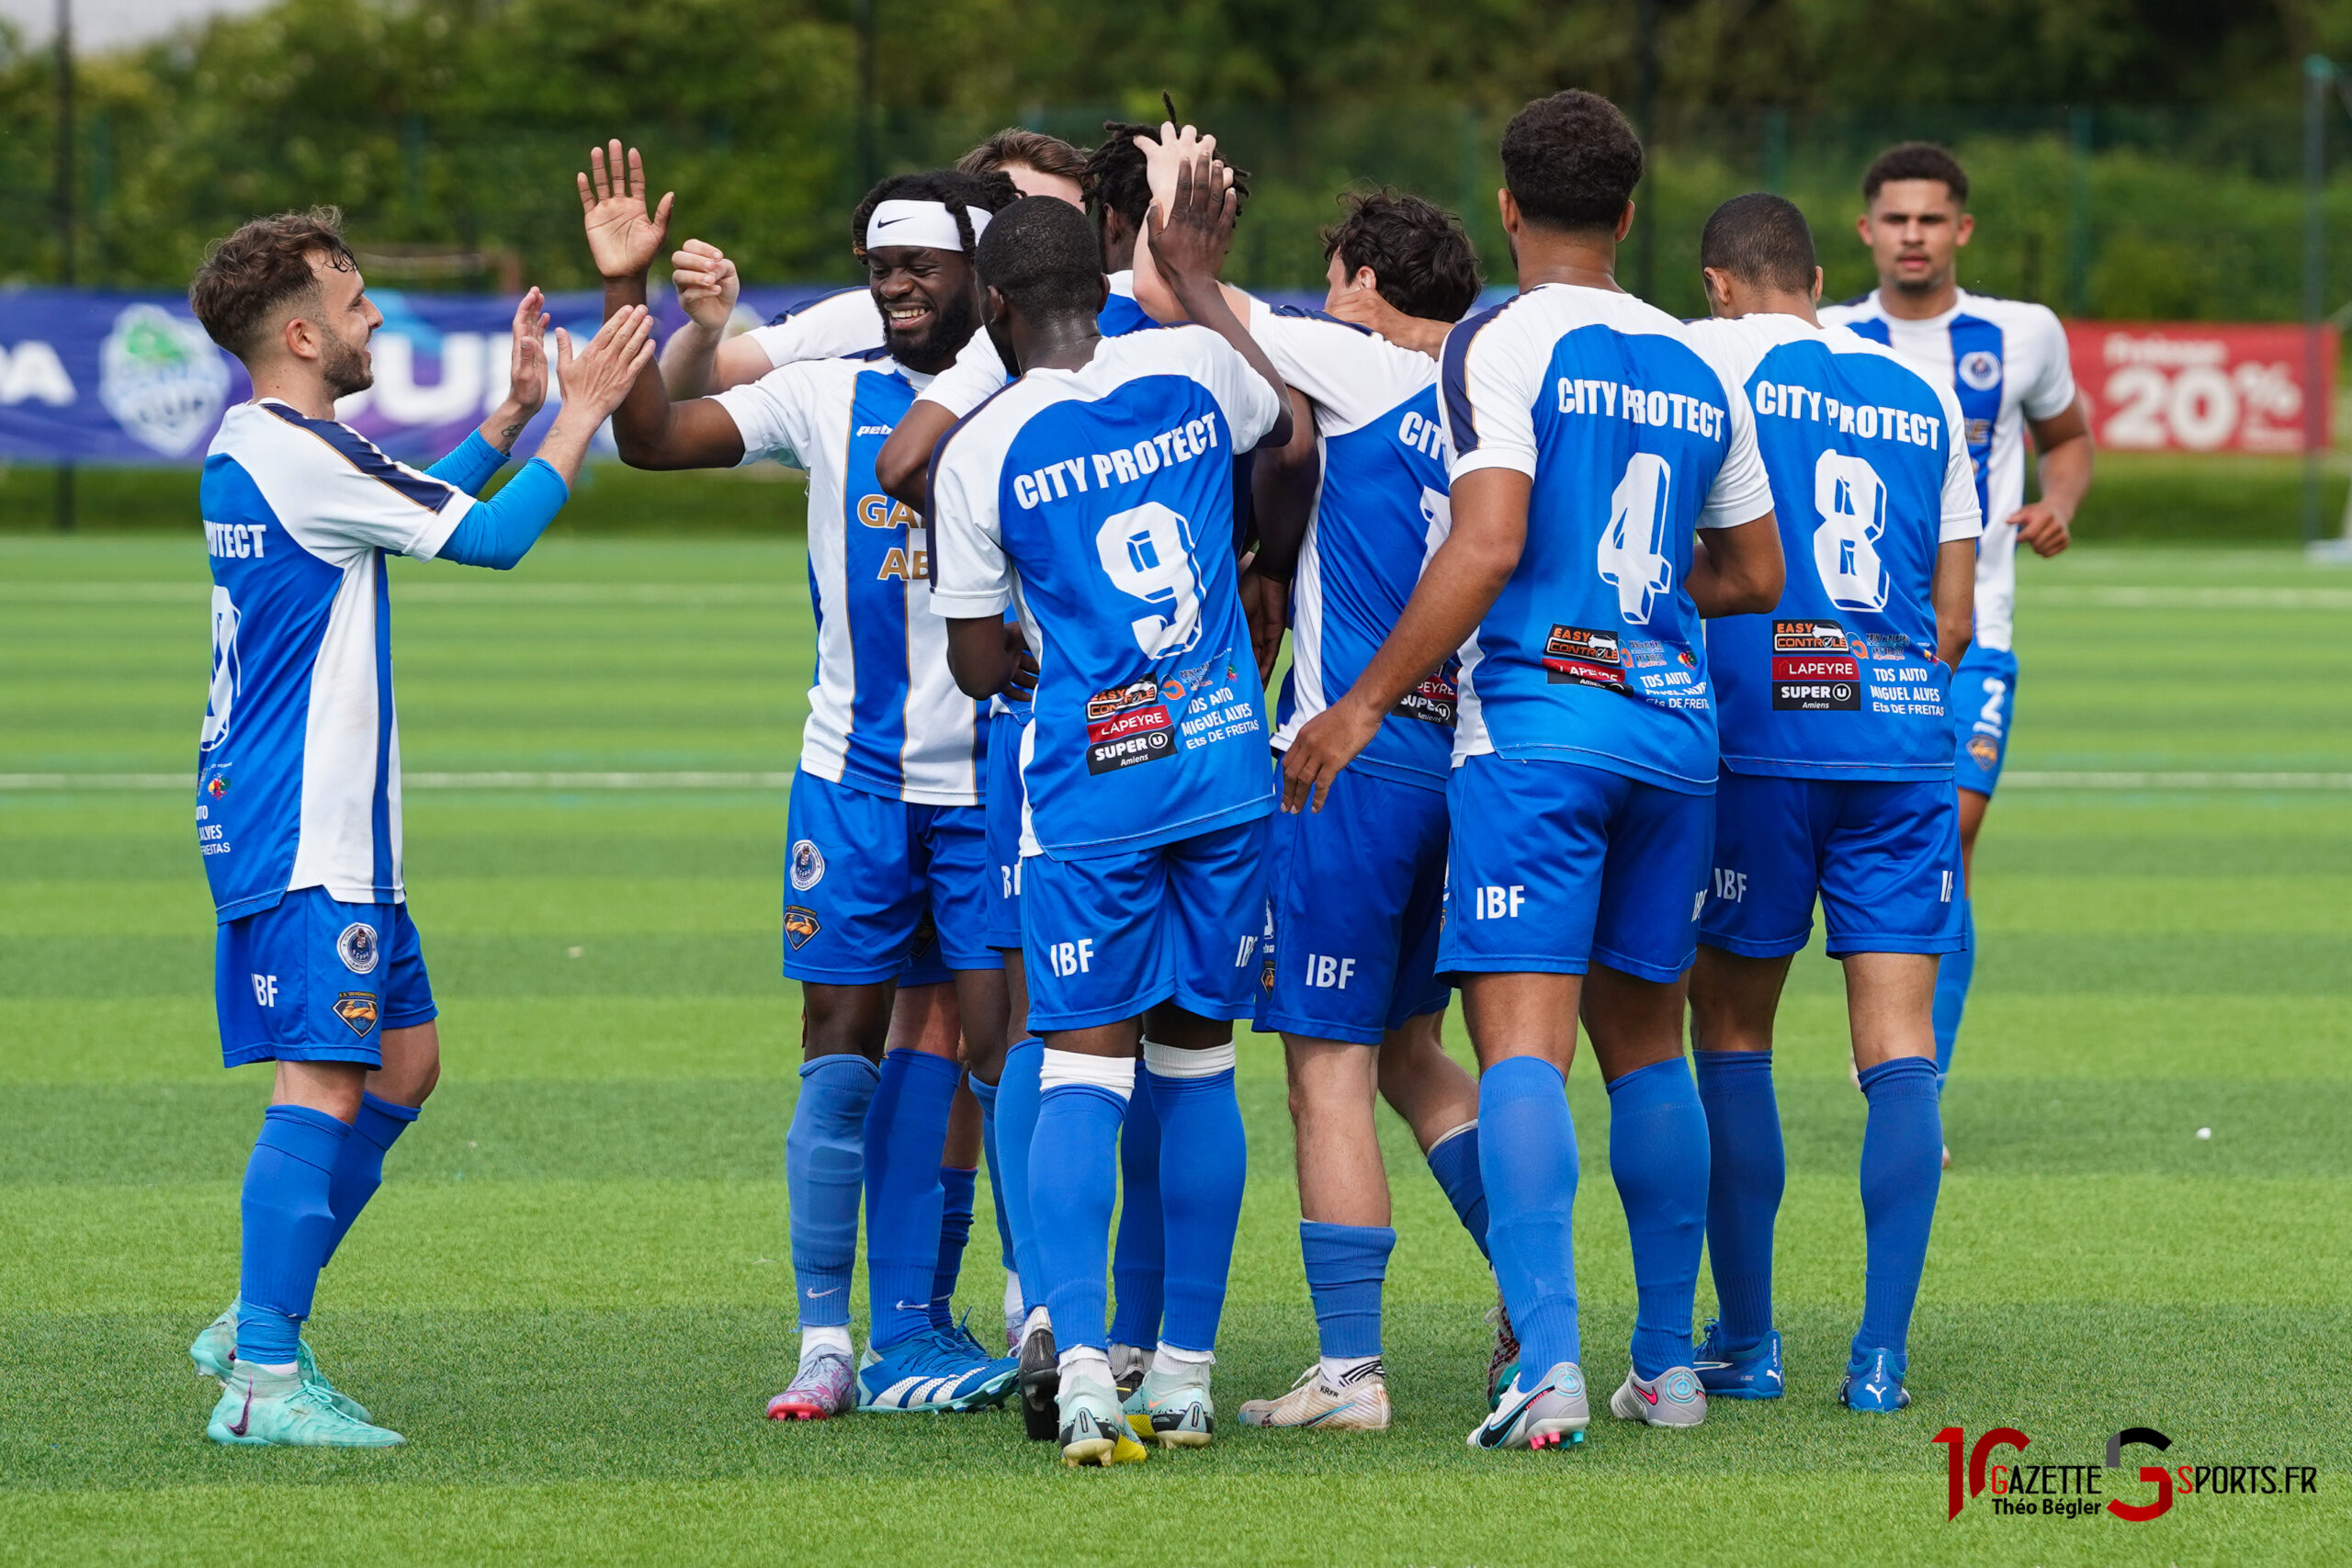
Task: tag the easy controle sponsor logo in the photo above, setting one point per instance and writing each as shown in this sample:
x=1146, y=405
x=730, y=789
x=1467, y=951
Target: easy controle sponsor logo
x=1582, y=656
x=1981, y=1473
x=1126, y=725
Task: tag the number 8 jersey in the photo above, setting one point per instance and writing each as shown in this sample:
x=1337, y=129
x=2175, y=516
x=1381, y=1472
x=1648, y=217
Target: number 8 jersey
x=1100, y=503
x=1870, y=469
x=1592, y=652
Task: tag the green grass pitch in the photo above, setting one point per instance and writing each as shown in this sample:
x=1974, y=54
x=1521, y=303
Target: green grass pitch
x=572, y=1293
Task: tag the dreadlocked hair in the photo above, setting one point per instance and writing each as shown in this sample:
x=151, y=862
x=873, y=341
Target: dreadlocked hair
x=952, y=188
x=1116, y=179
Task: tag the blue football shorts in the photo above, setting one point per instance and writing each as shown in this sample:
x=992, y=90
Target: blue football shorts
x=1107, y=937
x=1983, y=701
x=1556, y=866
x=1883, y=856
x=1002, y=807
x=1357, y=892
x=882, y=889
x=313, y=980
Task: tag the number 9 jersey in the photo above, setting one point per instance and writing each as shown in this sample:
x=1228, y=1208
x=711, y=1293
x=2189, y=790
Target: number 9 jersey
x=1100, y=503
x=1592, y=652
x=1870, y=469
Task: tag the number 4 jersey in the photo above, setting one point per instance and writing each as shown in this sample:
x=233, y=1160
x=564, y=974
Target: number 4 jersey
x=1870, y=470
x=1592, y=652
x=1100, y=502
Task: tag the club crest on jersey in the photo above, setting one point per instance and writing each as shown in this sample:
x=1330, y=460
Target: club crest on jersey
x=357, y=1009
x=881, y=512
x=807, y=863
x=357, y=948
x=1582, y=656
x=799, y=925
x=1980, y=369
x=1983, y=750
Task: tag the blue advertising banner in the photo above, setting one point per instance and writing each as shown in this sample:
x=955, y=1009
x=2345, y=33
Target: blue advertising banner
x=94, y=378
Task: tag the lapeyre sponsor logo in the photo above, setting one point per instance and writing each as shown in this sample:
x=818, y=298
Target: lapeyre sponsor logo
x=1582, y=656
x=2076, y=1491
x=1127, y=724
x=1813, y=667
x=1432, y=701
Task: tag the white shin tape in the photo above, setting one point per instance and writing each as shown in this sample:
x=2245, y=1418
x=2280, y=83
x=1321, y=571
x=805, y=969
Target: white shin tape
x=1169, y=1062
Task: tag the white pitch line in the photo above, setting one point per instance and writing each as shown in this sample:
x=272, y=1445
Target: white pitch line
x=2016, y=778
x=2083, y=598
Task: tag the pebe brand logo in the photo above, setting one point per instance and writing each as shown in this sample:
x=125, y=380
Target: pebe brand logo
x=2076, y=1491
x=161, y=379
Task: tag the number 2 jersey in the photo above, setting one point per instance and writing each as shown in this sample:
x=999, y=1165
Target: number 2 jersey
x=1380, y=510
x=2006, y=361
x=1592, y=652
x=1099, y=502
x=1868, y=464
x=884, y=716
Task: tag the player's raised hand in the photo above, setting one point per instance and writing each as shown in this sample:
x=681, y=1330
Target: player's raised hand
x=1175, y=148
x=597, y=376
x=526, y=361
x=623, y=236
x=1191, y=234
x=1325, y=744
x=706, y=283
x=2042, y=528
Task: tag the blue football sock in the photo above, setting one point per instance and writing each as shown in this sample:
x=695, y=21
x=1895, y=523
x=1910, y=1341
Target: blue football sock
x=287, y=1221
x=1745, y=1172
x=1453, y=1160
x=1205, y=1163
x=906, y=1129
x=1073, y=1182
x=1953, y=972
x=1527, y=1155
x=1902, y=1167
x=1016, y=1109
x=1346, y=1266
x=986, y=1094
x=1139, y=1267
x=1658, y=1152
x=360, y=1168
x=955, y=1186
x=824, y=1176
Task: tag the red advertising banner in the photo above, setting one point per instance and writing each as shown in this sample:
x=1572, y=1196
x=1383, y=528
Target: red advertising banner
x=2194, y=387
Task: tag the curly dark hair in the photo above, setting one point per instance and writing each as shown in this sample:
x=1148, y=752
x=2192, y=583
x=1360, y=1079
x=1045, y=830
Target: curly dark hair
x=1420, y=253
x=261, y=266
x=1571, y=161
x=1916, y=161
x=1116, y=180
x=958, y=191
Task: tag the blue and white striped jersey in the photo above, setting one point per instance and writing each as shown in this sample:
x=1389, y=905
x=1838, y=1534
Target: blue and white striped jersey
x=1870, y=475
x=2006, y=361
x=883, y=714
x=1592, y=652
x=298, y=763
x=1380, y=510
x=1099, y=503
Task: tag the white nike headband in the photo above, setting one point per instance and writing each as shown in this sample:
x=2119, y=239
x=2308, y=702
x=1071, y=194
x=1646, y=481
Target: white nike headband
x=927, y=224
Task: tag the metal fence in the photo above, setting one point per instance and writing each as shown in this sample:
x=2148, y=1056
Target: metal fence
x=2119, y=213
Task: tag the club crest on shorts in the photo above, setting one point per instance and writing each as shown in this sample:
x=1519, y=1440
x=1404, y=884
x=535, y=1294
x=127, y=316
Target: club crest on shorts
x=357, y=948
x=799, y=925
x=807, y=865
x=1983, y=750
x=357, y=1009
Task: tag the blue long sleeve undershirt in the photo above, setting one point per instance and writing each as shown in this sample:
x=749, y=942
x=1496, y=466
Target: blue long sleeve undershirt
x=471, y=465
x=498, y=532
